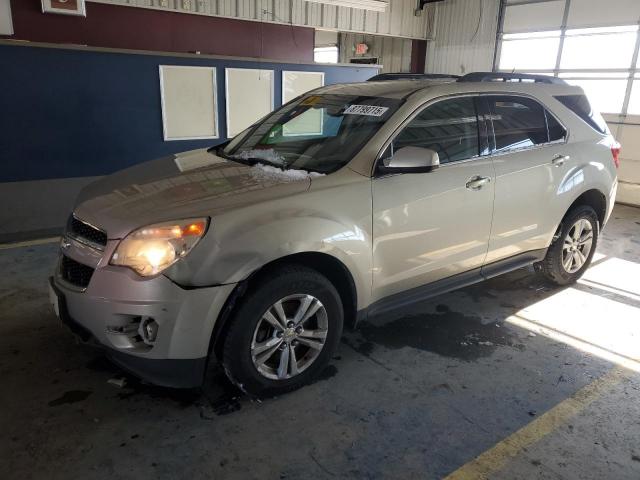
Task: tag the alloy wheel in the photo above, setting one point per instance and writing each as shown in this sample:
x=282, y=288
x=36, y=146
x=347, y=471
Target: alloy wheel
x=577, y=245
x=289, y=336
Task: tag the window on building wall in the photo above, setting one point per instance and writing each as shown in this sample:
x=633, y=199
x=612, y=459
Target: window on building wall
x=599, y=58
x=326, y=54
x=535, y=51
x=606, y=94
x=599, y=48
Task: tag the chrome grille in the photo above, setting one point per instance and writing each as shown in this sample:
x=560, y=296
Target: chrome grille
x=86, y=233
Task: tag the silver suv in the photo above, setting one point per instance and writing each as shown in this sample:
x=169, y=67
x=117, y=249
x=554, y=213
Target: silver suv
x=346, y=202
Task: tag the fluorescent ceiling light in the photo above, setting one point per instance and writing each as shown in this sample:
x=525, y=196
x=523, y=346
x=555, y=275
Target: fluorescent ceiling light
x=372, y=5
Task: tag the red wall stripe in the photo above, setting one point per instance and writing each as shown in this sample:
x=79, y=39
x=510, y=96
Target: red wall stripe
x=143, y=29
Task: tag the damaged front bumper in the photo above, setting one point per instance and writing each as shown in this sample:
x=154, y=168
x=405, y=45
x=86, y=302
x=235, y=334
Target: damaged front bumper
x=152, y=328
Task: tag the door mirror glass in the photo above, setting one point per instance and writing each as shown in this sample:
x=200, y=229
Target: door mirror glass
x=412, y=160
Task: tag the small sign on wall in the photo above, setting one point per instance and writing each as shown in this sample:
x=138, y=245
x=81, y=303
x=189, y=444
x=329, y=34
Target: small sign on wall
x=64, y=7
x=361, y=48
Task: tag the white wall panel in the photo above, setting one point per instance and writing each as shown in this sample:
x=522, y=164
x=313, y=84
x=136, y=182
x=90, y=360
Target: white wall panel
x=297, y=83
x=249, y=97
x=6, y=25
x=398, y=20
x=465, y=37
x=189, y=105
x=357, y=19
x=533, y=16
x=329, y=19
x=370, y=21
x=395, y=15
x=314, y=14
x=298, y=16
x=384, y=22
x=344, y=19
x=281, y=11
x=629, y=172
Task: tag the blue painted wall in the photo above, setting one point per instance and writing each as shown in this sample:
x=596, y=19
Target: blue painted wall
x=77, y=113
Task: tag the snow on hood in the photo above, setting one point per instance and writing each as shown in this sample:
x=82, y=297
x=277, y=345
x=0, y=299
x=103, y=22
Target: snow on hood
x=266, y=172
x=270, y=155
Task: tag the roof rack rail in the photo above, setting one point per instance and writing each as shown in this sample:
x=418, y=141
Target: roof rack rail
x=411, y=76
x=510, y=77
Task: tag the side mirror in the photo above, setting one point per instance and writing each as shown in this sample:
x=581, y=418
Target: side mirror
x=412, y=160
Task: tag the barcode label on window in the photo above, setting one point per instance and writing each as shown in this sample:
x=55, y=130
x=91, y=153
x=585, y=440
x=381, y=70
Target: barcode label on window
x=368, y=110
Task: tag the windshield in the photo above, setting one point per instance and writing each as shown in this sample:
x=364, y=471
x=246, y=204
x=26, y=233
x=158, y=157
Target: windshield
x=317, y=133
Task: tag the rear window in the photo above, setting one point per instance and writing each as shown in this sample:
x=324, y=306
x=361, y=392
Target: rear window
x=579, y=104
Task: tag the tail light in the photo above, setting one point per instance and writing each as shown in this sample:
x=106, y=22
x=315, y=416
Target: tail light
x=615, y=152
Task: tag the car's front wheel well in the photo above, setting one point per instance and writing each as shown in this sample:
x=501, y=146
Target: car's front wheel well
x=329, y=266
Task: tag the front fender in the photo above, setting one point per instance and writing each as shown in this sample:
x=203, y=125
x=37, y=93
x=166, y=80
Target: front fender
x=335, y=223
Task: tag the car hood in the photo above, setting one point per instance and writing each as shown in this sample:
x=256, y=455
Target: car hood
x=190, y=184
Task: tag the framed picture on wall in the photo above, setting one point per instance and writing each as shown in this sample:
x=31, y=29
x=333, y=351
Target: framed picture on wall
x=297, y=83
x=189, y=104
x=293, y=85
x=249, y=97
x=64, y=7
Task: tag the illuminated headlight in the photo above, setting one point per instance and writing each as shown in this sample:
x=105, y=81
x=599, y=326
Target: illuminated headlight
x=152, y=249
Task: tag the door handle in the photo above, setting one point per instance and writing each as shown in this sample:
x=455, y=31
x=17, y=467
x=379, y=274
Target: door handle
x=476, y=183
x=559, y=160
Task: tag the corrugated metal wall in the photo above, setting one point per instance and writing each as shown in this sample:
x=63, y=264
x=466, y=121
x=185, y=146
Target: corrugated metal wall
x=394, y=54
x=398, y=20
x=464, y=37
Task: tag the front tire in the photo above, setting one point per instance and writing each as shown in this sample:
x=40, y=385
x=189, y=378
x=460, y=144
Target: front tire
x=284, y=332
x=573, y=247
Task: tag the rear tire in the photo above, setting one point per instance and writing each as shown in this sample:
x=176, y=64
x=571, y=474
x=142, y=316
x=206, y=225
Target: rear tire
x=573, y=247
x=284, y=332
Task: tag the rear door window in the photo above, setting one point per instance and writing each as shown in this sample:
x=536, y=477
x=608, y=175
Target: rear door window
x=517, y=123
x=449, y=127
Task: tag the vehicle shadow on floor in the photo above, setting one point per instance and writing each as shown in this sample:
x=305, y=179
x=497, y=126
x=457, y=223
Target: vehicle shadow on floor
x=443, y=331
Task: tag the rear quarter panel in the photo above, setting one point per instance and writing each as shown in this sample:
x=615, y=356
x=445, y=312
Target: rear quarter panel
x=591, y=166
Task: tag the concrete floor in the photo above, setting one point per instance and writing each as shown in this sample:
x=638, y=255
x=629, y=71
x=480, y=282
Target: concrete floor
x=543, y=381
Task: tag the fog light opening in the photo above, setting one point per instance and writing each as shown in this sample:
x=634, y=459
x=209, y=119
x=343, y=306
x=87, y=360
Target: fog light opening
x=148, y=330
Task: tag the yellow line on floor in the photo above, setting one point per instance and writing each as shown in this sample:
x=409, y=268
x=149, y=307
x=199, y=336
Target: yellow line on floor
x=29, y=243
x=496, y=458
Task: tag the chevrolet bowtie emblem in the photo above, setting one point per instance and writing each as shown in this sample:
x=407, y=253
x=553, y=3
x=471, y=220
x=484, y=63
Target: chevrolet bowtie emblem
x=65, y=243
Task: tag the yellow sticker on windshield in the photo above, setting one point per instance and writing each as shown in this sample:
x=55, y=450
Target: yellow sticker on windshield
x=311, y=101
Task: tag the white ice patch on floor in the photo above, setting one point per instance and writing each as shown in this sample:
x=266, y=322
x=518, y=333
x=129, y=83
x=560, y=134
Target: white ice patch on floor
x=267, y=172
